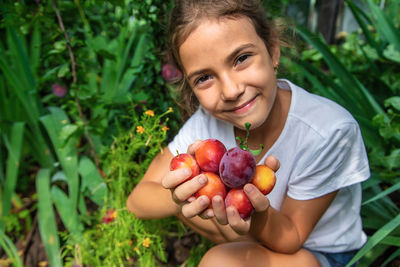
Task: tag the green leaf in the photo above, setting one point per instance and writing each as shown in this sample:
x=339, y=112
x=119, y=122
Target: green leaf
x=10, y=249
x=360, y=16
x=352, y=87
x=92, y=180
x=66, y=151
x=394, y=102
x=67, y=131
x=47, y=219
x=68, y=214
x=385, y=26
x=388, y=191
x=391, y=53
x=376, y=238
x=14, y=148
x=64, y=69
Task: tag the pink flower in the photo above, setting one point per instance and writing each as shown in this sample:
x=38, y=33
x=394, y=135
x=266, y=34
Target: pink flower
x=59, y=90
x=170, y=73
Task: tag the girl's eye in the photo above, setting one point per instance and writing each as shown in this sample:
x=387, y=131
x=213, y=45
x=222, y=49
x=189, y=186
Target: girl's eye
x=241, y=58
x=202, y=79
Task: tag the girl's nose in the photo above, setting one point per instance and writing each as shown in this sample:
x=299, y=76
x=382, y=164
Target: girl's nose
x=231, y=89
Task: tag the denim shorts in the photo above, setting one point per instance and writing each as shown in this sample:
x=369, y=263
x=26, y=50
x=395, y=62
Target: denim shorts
x=339, y=259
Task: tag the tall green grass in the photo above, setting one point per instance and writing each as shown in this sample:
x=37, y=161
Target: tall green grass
x=354, y=88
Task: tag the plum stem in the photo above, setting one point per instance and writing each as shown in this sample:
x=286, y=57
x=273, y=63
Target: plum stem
x=243, y=143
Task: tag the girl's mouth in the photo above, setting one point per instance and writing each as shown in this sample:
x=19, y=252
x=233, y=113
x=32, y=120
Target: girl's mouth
x=245, y=107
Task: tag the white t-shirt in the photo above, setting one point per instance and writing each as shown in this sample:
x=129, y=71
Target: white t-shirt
x=320, y=150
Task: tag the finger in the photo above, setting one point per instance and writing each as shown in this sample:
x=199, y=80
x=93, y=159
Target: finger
x=173, y=178
x=192, y=148
x=196, y=207
x=207, y=214
x=187, y=189
x=273, y=163
x=219, y=210
x=239, y=225
x=257, y=199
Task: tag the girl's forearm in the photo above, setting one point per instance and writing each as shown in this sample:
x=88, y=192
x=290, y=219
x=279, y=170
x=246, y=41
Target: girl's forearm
x=275, y=231
x=149, y=200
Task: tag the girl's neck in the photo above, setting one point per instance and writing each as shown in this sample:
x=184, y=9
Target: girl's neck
x=270, y=130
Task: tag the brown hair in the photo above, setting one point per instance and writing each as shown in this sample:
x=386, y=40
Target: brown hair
x=185, y=17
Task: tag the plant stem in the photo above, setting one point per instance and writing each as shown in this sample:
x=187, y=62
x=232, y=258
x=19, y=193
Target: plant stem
x=75, y=86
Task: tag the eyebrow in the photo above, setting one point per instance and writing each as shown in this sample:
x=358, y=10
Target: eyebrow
x=230, y=58
x=237, y=51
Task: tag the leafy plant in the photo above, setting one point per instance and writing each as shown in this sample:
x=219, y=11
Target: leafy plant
x=360, y=74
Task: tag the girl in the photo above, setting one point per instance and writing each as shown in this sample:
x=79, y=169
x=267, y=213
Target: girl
x=229, y=53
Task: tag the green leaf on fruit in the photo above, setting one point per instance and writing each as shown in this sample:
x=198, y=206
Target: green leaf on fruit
x=258, y=151
x=243, y=143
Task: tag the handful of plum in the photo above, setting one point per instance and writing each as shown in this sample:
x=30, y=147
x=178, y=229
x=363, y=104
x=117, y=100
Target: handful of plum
x=227, y=172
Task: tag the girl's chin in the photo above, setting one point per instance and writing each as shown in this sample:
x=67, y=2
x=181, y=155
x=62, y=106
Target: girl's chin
x=254, y=122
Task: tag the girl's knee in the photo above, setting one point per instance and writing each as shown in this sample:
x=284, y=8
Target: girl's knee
x=232, y=254
x=252, y=254
x=216, y=256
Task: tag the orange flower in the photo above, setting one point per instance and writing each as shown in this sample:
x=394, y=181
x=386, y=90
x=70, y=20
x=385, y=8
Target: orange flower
x=170, y=109
x=146, y=242
x=110, y=216
x=164, y=128
x=150, y=113
x=140, y=129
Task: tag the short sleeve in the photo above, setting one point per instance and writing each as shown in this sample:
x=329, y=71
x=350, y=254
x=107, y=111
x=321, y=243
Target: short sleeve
x=187, y=135
x=337, y=160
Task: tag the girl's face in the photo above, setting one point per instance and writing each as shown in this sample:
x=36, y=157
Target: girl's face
x=230, y=70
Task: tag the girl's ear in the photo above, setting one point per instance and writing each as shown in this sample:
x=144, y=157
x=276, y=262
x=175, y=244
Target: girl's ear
x=275, y=50
x=275, y=54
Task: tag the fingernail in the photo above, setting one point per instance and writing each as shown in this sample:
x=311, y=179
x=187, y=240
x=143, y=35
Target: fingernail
x=248, y=189
x=203, y=201
x=187, y=171
x=229, y=212
x=202, y=180
x=210, y=213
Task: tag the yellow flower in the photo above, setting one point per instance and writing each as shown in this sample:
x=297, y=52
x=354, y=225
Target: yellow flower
x=146, y=242
x=136, y=249
x=150, y=113
x=170, y=109
x=164, y=128
x=140, y=129
x=114, y=214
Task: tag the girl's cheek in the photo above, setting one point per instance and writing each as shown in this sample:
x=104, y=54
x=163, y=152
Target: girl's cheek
x=208, y=98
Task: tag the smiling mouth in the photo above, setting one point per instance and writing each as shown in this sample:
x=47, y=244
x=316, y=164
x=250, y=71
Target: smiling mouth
x=244, y=107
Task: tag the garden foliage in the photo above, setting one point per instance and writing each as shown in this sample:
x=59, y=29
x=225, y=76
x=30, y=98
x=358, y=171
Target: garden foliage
x=362, y=74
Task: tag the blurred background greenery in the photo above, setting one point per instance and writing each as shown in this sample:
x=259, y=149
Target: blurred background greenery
x=86, y=102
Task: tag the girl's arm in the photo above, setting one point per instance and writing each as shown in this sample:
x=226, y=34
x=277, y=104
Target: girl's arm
x=286, y=230
x=149, y=200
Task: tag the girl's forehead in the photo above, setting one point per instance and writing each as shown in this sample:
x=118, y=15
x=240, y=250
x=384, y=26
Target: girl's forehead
x=206, y=21
x=208, y=28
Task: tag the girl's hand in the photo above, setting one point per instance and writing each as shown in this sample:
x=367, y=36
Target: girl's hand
x=182, y=192
x=231, y=216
